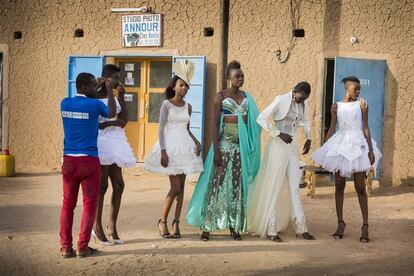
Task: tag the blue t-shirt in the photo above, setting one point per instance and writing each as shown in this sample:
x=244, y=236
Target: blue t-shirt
x=80, y=117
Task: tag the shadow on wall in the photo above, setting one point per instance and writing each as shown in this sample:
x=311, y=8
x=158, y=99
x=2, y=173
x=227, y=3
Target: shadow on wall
x=409, y=181
x=332, y=24
x=211, y=84
x=390, y=112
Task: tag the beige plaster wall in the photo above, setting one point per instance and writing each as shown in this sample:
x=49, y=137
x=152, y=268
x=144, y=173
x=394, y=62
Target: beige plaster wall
x=385, y=30
x=38, y=62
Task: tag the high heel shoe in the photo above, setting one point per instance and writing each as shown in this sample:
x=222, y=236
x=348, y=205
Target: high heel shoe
x=339, y=235
x=177, y=234
x=111, y=238
x=163, y=235
x=236, y=235
x=308, y=236
x=205, y=236
x=364, y=239
x=275, y=238
x=116, y=241
x=98, y=241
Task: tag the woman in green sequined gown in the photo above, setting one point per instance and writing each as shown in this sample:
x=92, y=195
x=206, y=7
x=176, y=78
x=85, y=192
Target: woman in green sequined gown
x=219, y=199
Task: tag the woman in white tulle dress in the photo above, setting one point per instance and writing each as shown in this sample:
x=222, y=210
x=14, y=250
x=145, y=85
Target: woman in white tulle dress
x=350, y=151
x=114, y=153
x=177, y=152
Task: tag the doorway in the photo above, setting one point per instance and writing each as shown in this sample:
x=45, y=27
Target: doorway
x=145, y=80
x=327, y=97
x=372, y=74
x=1, y=100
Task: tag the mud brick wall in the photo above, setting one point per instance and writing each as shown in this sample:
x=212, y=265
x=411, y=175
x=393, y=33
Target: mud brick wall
x=385, y=30
x=38, y=62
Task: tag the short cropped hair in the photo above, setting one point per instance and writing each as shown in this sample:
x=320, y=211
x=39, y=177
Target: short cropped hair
x=83, y=79
x=303, y=86
x=351, y=78
x=109, y=70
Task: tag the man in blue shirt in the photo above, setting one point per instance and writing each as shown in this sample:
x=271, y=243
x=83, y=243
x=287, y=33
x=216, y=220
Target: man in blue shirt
x=81, y=165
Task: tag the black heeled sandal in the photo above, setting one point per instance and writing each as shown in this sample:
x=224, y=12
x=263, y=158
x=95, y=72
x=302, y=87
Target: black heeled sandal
x=308, y=236
x=275, y=238
x=362, y=238
x=337, y=235
x=205, y=236
x=177, y=234
x=163, y=235
x=236, y=235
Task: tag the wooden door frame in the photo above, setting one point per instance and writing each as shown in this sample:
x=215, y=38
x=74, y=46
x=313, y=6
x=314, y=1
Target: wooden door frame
x=323, y=99
x=143, y=94
x=147, y=93
x=141, y=97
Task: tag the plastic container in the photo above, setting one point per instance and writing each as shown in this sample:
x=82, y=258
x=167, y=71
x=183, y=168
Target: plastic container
x=7, y=164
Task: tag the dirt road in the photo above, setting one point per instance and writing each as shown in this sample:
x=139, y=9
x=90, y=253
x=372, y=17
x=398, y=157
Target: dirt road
x=29, y=222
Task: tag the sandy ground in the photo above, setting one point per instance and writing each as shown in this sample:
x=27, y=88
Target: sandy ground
x=29, y=242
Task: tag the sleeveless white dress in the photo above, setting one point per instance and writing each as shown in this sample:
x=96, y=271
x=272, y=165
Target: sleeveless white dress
x=180, y=147
x=347, y=150
x=113, y=146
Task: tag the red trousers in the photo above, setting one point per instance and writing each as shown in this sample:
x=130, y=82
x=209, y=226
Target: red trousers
x=79, y=171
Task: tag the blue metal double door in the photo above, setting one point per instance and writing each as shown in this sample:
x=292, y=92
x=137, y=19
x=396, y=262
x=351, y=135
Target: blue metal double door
x=372, y=74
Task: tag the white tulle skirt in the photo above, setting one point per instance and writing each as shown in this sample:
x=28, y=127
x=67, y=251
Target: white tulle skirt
x=113, y=148
x=181, y=151
x=347, y=152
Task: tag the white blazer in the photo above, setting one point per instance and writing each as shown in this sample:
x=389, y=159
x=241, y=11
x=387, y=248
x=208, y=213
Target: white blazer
x=279, y=109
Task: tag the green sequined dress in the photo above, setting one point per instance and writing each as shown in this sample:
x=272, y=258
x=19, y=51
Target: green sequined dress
x=224, y=205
